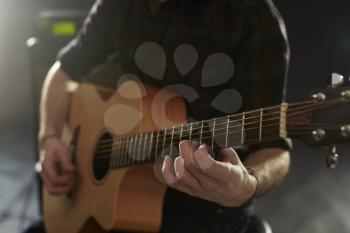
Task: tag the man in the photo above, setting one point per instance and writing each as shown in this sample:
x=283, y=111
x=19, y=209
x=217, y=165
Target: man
x=206, y=195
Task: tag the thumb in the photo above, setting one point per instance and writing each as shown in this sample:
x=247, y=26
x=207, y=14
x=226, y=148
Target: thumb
x=230, y=155
x=64, y=157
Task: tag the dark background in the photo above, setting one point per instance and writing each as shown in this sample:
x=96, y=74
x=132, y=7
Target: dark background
x=312, y=198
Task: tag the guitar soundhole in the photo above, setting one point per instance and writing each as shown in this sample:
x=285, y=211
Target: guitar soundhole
x=102, y=156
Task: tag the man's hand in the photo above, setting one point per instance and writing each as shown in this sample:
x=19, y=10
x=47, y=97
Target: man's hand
x=57, y=173
x=226, y=182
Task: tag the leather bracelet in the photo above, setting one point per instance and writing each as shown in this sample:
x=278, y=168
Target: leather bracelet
x=258, y=184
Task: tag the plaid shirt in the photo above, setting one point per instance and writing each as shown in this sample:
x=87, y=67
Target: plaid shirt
x=250, y=32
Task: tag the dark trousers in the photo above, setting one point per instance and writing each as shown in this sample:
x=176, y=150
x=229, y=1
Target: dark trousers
x=185, y=227
x=186, y=214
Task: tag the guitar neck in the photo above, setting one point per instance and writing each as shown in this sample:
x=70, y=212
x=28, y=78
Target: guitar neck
x=257, y=126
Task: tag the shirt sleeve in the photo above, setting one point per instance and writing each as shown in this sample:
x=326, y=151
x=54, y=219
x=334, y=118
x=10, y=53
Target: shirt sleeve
x=93, y=43
x=262, y=62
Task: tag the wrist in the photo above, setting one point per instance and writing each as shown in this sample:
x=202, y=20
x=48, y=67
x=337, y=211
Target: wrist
x=252, y=187
x=255, y=181
x=45, y=135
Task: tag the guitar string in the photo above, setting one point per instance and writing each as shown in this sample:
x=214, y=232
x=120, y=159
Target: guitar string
x=224, y=118
x=300, y=112
x=128, y=160
x=204, y=121
x=176, y=136
x=205, y=137
x=195, y=133
x=296, y=124
x=138, y=148
x=225, y=123
x=295, y=127
x=209, y=131
x=326, y=104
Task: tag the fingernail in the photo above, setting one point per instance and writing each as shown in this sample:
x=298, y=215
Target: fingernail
x=164, y=162
x=179, y=167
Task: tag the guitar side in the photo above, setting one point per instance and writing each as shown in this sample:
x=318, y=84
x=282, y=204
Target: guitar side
x=128, y=199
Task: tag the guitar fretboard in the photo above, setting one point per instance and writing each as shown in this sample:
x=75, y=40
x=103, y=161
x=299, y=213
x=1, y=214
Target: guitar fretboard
x=251, y=127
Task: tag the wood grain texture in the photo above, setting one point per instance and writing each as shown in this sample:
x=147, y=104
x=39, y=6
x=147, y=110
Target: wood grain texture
x=128, y=199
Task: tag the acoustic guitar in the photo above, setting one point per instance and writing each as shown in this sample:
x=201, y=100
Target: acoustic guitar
x=117, y=138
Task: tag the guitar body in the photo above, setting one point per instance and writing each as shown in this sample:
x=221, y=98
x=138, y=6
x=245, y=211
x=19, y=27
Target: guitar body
x=105, y=130
x=126, y=199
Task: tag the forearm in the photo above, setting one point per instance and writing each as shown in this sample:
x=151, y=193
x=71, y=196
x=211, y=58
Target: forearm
x=270, y=165
x=54, y=102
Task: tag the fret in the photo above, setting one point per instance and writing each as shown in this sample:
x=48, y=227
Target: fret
x=156, y=149
x=182, y=129
x=176, y=139
x=118, y=152
x=163, y=150
x=260, y=124
x=201, y=133
x=270, y=124
x=139, y=148
x=227, y=124
x=190, y=133
x=121, y=153
x=144, y=148
x=135, y=148
x=218, y=133
x=114, y=153
x=111, y=158
x=130, y=149
x=150, y=146
x=171, y=142
x=213, y=134
x=126, y=150
x=185, y=132
x=252, y=127
x=242, y=129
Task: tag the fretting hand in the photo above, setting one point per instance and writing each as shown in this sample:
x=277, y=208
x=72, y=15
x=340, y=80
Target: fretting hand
x=226, y=182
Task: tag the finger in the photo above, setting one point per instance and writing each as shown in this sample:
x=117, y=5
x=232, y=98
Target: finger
x=229, y=155
x=216, y=169
x=65, y=161
x=55, y=190
x=50, y=171
x=69, y=184
x=187, y=149
x=184, y=177
x=168, y=171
